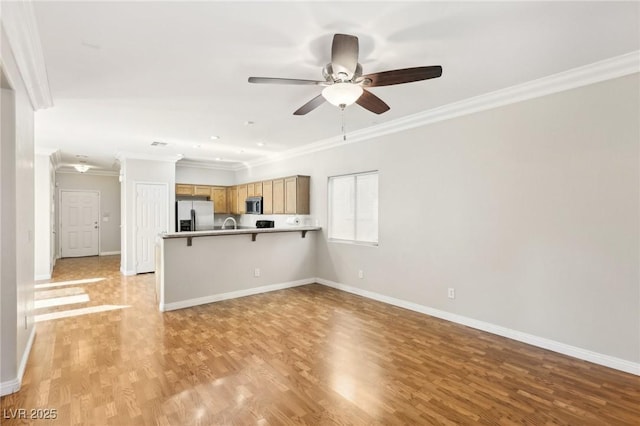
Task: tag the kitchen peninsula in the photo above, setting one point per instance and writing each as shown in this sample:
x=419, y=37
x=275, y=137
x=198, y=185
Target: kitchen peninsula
x=195, y=268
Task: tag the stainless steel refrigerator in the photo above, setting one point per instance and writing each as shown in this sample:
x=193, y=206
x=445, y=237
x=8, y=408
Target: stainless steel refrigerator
x=194, y=215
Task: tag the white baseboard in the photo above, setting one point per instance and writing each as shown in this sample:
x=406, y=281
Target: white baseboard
x=46, y=276
x=541, y=342
x=125, y=272
x=233, y=294
x=109, y=253
x=9, y=386
x=13, y=385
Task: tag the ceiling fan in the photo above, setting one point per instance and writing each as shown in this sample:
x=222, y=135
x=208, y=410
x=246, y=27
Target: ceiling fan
x=344, y=82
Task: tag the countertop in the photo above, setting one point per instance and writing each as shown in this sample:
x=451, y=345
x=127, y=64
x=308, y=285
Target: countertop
x=219, y=232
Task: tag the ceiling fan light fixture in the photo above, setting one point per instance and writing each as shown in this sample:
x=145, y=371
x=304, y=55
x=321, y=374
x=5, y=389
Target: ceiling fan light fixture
x=82, y=168
x=342, y=94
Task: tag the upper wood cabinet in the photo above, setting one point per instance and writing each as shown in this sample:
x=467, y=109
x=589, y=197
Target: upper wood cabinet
x=254, y=189
x=184, y=189
x=278, y=196
x=202, y=190
x=296, y=198
x=242, y=199
x=219, y=198
x=232, y=199
x=257, y=189
x=267, y=197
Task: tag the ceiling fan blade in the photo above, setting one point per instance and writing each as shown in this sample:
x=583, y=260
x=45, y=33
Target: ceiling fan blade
x=406, y=75
x=270, y=80
x=373, y=103
x=310, y=106
x=344, y=54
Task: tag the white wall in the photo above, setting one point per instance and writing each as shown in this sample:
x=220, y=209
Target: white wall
x=530, y=211
x=17, y=222
x=215, y=266
x=44, y=180
x=204, y=176
x=109, y=189
x=141, y=171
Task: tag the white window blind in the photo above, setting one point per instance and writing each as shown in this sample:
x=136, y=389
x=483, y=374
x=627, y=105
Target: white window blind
x=353, y=208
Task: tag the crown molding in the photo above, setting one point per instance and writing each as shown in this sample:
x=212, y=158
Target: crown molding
x=231, y=167
x=19, y=22
x=44, y=150
x=124, y=155
x=94, y=172
x=56, y=159
x=607, y=69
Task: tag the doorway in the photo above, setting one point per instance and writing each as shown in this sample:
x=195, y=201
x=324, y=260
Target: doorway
x=79, y=223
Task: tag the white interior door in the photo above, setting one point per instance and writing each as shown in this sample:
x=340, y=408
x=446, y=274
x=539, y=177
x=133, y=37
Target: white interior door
x=151, y=220
x=79, y=225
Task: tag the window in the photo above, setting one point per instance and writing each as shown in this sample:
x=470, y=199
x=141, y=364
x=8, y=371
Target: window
x=353, y=208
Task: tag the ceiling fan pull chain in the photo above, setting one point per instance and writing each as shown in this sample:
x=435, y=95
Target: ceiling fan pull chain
x=344, y=133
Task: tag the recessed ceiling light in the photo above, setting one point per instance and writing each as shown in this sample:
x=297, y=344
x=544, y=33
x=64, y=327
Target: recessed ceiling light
x=260, y=144
x=213, y=138
x=218, y=158
x=197, y=145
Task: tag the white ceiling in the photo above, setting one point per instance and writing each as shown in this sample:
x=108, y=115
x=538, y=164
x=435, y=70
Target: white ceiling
x=125, y=74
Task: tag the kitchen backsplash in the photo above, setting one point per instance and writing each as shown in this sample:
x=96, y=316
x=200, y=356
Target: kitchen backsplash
x=281, y=221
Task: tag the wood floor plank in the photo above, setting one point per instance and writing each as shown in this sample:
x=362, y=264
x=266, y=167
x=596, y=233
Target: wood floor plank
x=307, y=355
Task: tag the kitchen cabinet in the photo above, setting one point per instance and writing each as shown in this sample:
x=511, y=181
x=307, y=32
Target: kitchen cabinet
x=296, y=195
x=202, y=190
x=242, y=198
x=267, y=197
x=257, y=189
x=218, y=194
x=278, y=196
x=183, y=189
x=232, y=200
x=288, y=195
x=254, y=189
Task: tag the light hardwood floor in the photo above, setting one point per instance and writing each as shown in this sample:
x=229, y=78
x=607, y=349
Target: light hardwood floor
x=308, y=355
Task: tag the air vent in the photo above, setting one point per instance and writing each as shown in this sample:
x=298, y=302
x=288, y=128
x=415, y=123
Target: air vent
x=160, y=144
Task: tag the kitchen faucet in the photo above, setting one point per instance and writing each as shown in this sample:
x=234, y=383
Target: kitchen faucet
x=235, y=225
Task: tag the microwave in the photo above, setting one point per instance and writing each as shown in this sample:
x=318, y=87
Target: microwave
x=254, y=205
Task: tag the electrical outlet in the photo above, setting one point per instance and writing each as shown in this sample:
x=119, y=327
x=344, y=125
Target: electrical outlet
x=451, y=293
x=360, y=274
x=256, y=272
